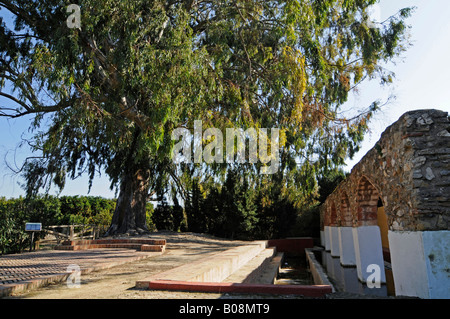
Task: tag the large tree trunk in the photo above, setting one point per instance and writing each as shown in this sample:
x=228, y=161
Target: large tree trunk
x=129, y=215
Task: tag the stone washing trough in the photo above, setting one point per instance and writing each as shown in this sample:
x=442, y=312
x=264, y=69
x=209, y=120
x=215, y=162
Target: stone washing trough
x=252, y=268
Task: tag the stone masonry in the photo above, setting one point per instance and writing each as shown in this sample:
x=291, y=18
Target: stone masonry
x=409, y=169
x=395, y=206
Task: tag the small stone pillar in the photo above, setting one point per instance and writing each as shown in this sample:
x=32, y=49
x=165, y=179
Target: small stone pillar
x=346, y=246
x=368, y=251
x=420, y=263
x=326, y=231
x=334, y=241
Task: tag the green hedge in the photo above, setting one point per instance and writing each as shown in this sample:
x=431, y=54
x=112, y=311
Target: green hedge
x=48, y=210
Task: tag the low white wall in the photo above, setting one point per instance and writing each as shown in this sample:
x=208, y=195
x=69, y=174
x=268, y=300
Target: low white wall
x=334, y=242
x=420, y=263
x=346, y=246
x=368, y=251
x=408, y=264
x=436, y=246
x=326, y=231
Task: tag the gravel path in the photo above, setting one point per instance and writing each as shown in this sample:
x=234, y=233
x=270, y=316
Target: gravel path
x=119, y=282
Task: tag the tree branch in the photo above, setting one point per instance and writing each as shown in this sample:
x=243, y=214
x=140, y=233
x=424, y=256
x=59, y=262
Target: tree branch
x=32, y=109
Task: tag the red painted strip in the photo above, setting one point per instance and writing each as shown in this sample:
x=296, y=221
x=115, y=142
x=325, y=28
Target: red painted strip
x=309, y=291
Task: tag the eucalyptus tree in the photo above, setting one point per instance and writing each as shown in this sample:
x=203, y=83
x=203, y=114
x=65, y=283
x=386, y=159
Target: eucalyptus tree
x=106, y=92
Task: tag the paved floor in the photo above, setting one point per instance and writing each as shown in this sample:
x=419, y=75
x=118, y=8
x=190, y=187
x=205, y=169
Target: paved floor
x=19, y=272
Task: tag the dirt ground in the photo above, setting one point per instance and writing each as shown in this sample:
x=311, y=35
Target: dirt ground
x=119, y=282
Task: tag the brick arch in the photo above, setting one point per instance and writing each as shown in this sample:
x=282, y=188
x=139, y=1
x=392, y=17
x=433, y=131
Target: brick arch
x=326, y=218
x=333, y=215
x=345, y=211
x=367, y=196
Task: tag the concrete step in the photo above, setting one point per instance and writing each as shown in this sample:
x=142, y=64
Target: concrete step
x=262, y=269
x=138, y=244
x=270, y=272
x=215, y=268
x=139, y=247
x=147, y=241
x=251, y=268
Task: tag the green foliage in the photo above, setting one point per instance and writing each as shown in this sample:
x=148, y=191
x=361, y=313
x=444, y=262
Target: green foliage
x=248, y=207
x=328, y=183
x=108, y=96
x=240, y=208
x=12, y=224
x=134, y=72
x=48, y=210
x=307, y=223
x=149, y=213
x=167, y=217
x=197, y=220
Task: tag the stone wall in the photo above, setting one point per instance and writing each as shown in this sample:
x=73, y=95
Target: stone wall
x=409, y=169
x=395, y=203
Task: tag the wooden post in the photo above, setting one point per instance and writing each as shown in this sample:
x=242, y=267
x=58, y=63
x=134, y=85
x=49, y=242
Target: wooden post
x=71, y=232
x=32, y=240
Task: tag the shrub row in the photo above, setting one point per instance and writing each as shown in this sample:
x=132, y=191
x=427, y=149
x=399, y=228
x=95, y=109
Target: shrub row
x=48, y=210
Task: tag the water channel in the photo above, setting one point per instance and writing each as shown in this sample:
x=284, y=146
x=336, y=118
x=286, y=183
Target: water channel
x=294, y=271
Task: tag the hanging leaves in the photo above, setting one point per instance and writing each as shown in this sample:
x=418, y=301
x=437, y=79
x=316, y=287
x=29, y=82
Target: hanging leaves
x=115, y=88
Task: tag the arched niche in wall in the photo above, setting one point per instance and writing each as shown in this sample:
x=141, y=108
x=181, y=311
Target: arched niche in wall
x=346, y=219
x=367, y=203
x=333, y=215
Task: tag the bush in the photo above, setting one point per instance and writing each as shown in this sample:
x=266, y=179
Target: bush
x=308, y=223
x=12, y=224
x=48, y=210
x=149, y=211
x=169, y=217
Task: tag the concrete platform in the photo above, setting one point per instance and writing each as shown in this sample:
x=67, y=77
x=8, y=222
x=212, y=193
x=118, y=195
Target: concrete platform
x=251, y=268
x=251, y=272
x=21, y=272
x=214, y=269
x=138, y=244
x=248, y=268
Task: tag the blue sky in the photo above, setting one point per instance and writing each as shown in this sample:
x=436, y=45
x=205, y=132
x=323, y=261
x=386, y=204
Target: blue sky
x=422, y=82
x=422, y=74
